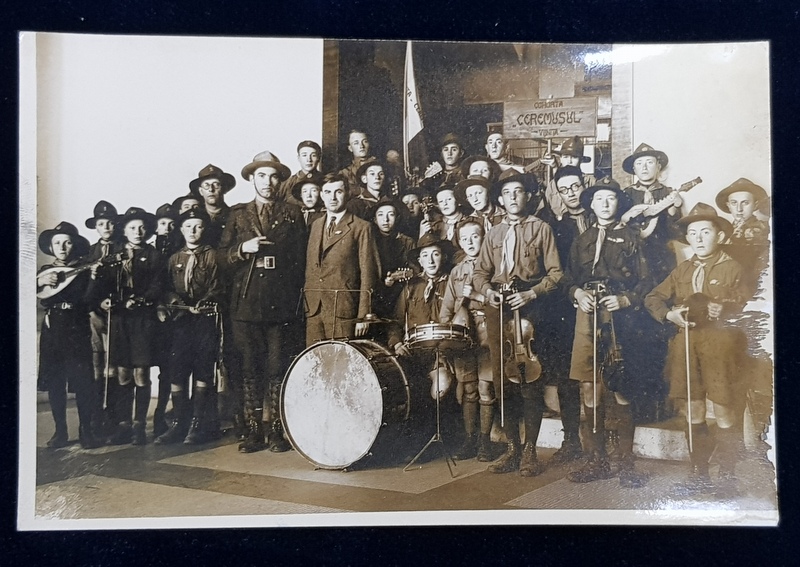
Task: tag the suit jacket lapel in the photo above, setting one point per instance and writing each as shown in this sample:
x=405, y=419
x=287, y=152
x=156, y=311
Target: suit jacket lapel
x=342, y=228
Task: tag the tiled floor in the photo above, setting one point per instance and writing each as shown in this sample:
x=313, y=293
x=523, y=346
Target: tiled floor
x=217, y=481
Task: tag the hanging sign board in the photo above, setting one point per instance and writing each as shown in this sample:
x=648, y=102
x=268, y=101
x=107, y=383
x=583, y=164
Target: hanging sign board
x=552, y=118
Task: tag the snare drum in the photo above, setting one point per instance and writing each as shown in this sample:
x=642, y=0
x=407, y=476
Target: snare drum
x=343, y=401
x=442, y=336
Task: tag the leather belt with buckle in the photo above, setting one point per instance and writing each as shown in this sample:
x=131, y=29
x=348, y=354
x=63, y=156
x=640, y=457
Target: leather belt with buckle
x=266, y=262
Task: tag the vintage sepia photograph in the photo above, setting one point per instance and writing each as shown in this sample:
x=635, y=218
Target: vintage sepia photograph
x=328, y=282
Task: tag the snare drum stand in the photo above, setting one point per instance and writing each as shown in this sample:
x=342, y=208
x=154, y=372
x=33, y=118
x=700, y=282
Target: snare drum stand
x=437, y=437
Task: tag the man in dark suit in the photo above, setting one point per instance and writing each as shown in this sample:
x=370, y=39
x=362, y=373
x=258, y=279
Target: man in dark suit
x=342, y=256
x=263, y=247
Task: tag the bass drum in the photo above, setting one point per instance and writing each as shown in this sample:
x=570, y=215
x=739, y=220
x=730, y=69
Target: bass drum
x=343, y=401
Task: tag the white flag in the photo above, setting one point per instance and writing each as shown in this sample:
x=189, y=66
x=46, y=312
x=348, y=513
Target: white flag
x=412, y=115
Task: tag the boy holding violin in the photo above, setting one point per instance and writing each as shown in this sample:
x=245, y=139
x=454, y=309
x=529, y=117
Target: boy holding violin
x=607, y=278
x=518, y=266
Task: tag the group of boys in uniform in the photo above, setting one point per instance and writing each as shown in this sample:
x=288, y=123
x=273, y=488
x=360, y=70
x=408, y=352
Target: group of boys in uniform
x=555, y=283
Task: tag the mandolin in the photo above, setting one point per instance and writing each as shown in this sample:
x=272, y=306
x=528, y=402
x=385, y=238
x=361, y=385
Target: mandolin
x=401, y=275
x=520, y=357
x=652, y=210
x=67, y=274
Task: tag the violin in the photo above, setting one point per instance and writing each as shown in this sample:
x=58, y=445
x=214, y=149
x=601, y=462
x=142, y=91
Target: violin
x=612, y=368
x=520, y=359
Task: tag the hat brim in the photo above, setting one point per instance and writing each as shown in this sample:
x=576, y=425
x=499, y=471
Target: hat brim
x=148, y=219
x=721, y=223
x=92, y=222
x=584, y=159
x=283, y=172
x=80, y=245
x=462, y=186
x=447, y=248
x=298, y=187
x=624, y=201
x=227, y=181
x=759, y=195
x=627, y=163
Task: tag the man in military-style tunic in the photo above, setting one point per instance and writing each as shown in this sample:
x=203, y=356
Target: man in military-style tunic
x=263, y=249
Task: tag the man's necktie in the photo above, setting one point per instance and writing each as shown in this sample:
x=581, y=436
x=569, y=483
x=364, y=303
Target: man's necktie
x=331, y=227
x=188, y=277
x=509, y=246
x=263, y=216
x=598, y=247
x=699, y=276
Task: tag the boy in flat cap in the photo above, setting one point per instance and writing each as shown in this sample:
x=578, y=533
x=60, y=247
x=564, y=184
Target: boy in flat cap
x=703, y=293
x=136, y=285
x=607, y=278
x=518, y=267
x=308, y=155
x=65, y=343
x=263, y=251
x=195, y=285
x=749, y=241
x=211, y=186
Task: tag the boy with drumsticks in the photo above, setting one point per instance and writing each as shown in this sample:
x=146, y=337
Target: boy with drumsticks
x=462, y=304
x=194, y=284
x=698, y=297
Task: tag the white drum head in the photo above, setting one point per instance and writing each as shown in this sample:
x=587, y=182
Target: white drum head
x=332, y=404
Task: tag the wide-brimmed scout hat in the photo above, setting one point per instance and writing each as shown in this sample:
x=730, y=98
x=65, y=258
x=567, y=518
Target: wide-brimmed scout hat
x=137, y=213
x=314, y=177
x=529, y=182
x=451, y=138
x=266, y=159
x=624, y=202
x=701, y=212
x=572, y=147
x=464, y=184
x=102, y=210
x=177, y=203
x=741, y=184
x=166, y=211
x=494, y=168
x=362, y=169
x=226, y=180
x=430, y=239
x=193, y=213
x=641, y=151
x=80, y=246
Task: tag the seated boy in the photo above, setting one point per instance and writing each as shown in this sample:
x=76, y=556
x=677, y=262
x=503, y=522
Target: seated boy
x=709, y=284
